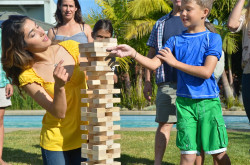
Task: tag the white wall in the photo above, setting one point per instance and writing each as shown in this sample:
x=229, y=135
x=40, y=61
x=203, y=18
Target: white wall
x=39, y=9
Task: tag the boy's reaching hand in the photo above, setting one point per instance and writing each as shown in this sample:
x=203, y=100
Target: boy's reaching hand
x=122, y=50
x=167, y=56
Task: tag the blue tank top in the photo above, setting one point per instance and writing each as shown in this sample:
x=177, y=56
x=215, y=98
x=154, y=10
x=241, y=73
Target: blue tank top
x=79, y=37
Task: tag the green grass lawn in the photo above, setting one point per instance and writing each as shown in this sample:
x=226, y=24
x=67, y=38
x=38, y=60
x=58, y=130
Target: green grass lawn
x=22, y=147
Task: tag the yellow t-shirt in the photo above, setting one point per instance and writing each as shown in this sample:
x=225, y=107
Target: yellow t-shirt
x=62, y=134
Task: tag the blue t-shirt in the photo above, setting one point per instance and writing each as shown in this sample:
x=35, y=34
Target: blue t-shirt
x=192, y=49
x=173, y=26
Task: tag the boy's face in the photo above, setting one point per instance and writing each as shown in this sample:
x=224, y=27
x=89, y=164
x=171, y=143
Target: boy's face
x=193, y=14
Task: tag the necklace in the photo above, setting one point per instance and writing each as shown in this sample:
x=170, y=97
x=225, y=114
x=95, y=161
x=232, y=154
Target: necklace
x=54, y=60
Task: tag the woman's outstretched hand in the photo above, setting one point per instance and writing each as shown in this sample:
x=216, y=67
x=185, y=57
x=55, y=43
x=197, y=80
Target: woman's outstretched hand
x=60, y=75
x=167, y=56
x=122, y=51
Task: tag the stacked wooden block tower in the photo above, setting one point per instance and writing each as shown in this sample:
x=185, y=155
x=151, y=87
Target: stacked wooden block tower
x=100, y=149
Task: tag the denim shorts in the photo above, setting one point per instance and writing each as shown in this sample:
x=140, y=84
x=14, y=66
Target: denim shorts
x=71, y=157
x=200, y=125
x=165, y=103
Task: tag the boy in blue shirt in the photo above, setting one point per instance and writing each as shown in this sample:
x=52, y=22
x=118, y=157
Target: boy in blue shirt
x=200, y=122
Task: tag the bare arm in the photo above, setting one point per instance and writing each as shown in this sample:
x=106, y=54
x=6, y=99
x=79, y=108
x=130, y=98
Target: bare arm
x=58, y=105
x=51, y=34
x=151, y=54
x=125, y=50
x=233, y=20
x=204, y=72
x=88, y=31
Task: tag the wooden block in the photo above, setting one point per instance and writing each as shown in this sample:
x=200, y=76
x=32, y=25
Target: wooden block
x=106, y=91
x=85, y=64
x=112, y=114
x=93, y=129
x=98, y=44
x=102, y=86
x=103, y=77
x=100, y=163
x=105, y=138
x=100, y=100
x=102, y=156
x=90, y=45
x=101, y=110
x=93, y=54
x=99, y=73
x=99, y=91
x=92, y=49
x=96, y=68
x=91, y=114
x=105, y=147
x=100, y=82
x=112, y=40
x=98, y=63
x=113, y=109
x=103, y=128
x=108, y=105
x=104, y=101
x=99, y=120
x=86, y=91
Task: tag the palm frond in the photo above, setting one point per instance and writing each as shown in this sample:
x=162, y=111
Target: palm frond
x=139, y=28
x=124, y=63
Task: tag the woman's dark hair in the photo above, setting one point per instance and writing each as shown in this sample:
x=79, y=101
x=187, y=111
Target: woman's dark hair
x=15, y=59
x=210, y=27
x=59, y=17
x=103, y=24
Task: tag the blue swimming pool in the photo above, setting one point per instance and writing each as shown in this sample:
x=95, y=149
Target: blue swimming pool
x=127, y=121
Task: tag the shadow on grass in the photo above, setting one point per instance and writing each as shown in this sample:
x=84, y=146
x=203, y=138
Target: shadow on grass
x=239, y=135
x=127, y=159
x=21, y=156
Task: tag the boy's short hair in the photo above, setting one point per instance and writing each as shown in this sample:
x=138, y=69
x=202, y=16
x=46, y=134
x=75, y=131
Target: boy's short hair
x=203, y=3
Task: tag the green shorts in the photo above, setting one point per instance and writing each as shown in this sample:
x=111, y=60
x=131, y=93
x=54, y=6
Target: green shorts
x=165, y=103
x=200, y=125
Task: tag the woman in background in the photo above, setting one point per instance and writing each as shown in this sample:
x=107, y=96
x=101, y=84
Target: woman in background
x=70, y=25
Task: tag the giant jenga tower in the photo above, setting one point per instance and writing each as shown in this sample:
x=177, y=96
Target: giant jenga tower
x=100, y=149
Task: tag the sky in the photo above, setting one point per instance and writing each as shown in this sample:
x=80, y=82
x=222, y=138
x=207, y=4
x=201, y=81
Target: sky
x=86, y=5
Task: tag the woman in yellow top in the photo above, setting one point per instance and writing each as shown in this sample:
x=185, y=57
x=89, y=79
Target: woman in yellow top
x=51, y=76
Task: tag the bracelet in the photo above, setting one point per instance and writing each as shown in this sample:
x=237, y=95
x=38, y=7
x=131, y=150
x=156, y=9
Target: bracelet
x=135, y=55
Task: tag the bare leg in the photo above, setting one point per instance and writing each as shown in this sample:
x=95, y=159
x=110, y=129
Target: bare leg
x=200, y=159
x=161, y=140
x=2, y=110
x=222, y=158
x=187, y=159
